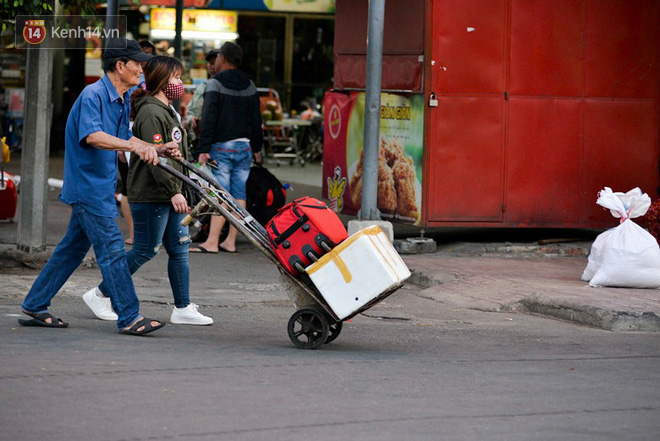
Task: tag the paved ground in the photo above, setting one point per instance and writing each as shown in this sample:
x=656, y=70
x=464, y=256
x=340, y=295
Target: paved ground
x=535, y=271
x=421, y=365
x=460, y=354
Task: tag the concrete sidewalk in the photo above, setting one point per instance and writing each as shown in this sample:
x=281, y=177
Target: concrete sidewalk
x=537, y=284
x=514, y=277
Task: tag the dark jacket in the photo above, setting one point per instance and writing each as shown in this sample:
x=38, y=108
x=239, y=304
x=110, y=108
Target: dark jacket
x=231, y=110
x=155, y=123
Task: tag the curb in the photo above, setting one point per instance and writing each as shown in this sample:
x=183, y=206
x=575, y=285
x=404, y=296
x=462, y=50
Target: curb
x=14, y=258
x=576, y=249
x=610, y=320
x=581, y=314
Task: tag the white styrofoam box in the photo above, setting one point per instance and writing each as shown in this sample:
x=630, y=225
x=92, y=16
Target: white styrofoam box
x=357, y=271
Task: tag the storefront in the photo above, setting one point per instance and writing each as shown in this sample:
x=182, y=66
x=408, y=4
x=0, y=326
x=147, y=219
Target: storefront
x=287, y=45
x=499, y=113
x=202, y=30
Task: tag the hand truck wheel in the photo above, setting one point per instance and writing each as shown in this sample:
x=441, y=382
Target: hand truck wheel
x=308, y=329
x=333, y=332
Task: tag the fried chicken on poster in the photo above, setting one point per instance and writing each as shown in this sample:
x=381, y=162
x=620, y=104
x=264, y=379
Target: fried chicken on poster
x=396, y=180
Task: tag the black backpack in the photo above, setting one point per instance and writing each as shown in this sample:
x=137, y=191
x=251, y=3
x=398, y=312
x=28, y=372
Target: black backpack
x=265, y=194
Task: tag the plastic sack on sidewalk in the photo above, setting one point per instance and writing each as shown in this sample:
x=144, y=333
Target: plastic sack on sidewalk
x=626, y=255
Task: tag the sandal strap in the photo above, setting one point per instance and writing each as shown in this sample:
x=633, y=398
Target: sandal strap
x=146, y=322
x=46, y=315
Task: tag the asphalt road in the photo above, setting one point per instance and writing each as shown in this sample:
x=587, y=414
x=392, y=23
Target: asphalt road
x=410, y=368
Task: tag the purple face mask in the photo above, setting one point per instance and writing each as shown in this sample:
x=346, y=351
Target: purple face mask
x=173, y=91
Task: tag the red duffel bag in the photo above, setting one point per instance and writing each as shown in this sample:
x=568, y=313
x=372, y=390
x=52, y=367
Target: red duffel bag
x=303, y=231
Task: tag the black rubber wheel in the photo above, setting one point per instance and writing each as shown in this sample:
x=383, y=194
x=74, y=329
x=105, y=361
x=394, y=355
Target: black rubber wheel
x=333, y=332
x=308, y=329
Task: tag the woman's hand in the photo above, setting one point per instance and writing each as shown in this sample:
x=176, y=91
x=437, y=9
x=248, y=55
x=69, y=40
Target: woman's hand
x=180, y=204
x=170, y=149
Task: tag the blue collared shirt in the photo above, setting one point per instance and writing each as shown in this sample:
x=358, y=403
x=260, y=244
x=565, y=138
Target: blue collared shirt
x=90, y=174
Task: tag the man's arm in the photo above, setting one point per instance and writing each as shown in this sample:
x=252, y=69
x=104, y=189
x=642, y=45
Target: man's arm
x=147, y=152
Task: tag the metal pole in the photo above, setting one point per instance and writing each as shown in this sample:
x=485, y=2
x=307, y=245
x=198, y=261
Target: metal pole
x=111, y=14
x=34, y=153
x=288, y=62
x=178, y=27
x=178, y=42
x=369, y=210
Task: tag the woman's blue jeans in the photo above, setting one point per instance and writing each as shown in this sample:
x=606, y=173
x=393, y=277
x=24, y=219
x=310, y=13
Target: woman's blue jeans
x=156, y=225
x=85, y=230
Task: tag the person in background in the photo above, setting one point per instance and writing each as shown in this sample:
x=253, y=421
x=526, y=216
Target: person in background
x=156, y=197
x=148, y=47
x=97, y=127
x=193, y=118
x=195, y=106
x=231, y=135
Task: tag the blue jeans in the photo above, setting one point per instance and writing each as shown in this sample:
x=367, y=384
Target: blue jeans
x=234, y=159
x=85, y=230
x=155, y=225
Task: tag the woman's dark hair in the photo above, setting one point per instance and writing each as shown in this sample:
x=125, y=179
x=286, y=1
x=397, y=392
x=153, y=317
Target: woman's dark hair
x=233, y=53
x=157, y=73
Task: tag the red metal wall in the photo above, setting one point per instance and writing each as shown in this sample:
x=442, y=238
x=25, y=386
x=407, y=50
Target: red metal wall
x=403, y=45
x=540, y=105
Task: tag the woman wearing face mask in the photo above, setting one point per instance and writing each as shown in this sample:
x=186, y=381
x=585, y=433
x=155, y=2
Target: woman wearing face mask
x=155, y=196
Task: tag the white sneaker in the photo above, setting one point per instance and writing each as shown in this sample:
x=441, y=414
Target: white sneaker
x=189, y=316
x=99, y=304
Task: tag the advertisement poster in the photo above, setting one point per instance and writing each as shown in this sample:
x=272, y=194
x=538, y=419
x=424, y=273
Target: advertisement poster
x=400, y=154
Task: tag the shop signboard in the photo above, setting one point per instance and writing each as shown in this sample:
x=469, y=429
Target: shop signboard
x=317, y=6
x=400, y=154
x=172, y=3
x=198, y=20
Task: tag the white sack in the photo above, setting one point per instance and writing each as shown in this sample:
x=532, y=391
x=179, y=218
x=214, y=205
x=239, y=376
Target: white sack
x=627, y=255
x=624, y=205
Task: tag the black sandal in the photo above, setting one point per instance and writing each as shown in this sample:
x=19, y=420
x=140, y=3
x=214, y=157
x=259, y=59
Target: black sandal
x=143, y=322
x=40, y=320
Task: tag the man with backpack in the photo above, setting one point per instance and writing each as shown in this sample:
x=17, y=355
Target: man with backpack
x=231, y=136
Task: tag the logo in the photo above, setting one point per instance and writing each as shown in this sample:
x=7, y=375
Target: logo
x=334, y=121
x=34, y=31
x=158, y=139
x=66, y=31
x=177, y=136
